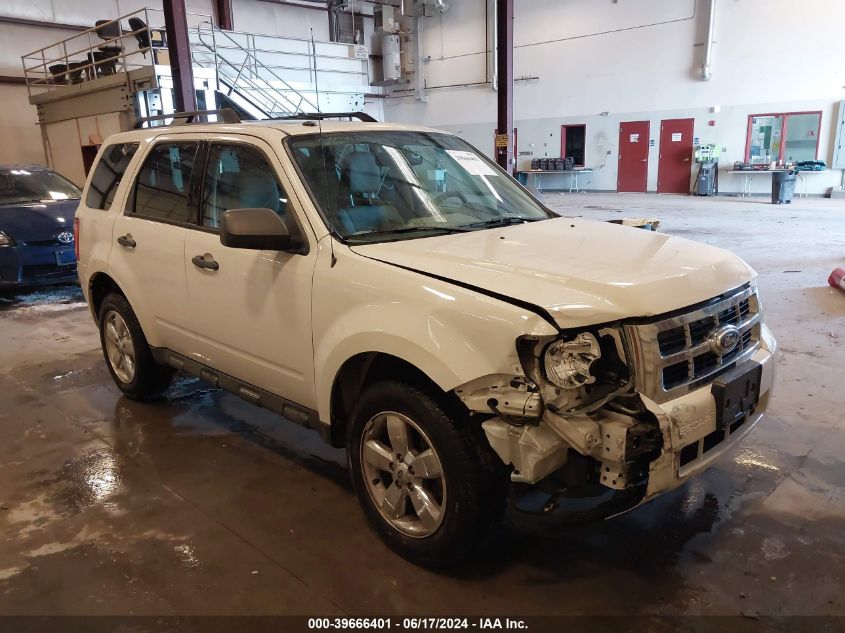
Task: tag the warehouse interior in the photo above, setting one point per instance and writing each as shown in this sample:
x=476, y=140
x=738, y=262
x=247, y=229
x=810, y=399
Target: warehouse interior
x=692, y=118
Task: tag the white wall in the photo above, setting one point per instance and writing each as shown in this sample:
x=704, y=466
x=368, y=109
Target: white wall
x=19, y=131
x=272, y=19
x=637, y=60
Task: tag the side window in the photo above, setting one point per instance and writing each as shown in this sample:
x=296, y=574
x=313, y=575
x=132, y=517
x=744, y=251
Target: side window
x=161, y=191
x=108, y=173
x=239, y=177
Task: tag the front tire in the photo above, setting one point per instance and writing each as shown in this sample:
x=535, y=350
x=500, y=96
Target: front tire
x=428, y=483
x=127, y=353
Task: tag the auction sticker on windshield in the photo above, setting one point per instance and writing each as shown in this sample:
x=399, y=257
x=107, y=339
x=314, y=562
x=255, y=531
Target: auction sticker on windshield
x=472, y=163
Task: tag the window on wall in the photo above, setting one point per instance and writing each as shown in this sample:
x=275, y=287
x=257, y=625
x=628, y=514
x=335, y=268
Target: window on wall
x=573, y=142
x=783, y=137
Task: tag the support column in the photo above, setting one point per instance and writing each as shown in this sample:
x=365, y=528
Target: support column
x=176, y=24
x=504, y=53
x=225, y=17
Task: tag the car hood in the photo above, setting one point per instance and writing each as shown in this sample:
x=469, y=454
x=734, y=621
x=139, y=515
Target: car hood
x=581, y=272
x=37, y=220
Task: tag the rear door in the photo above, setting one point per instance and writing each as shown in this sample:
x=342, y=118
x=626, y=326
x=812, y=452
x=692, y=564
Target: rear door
x=633, y=156
x=674, y=168
x=252, y=314
x=148, y=254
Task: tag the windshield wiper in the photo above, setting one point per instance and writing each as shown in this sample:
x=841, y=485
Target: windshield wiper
x=505, y=220
x=410, y=229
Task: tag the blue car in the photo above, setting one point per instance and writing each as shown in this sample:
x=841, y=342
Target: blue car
x=37, y=207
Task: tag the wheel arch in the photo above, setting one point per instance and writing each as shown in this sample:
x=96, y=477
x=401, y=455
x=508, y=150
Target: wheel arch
x=100, y=285
x=366, y=368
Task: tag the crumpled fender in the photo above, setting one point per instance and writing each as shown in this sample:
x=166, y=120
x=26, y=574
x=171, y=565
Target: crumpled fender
x=452, y=334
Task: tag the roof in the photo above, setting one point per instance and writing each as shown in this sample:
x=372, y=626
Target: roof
x=287, y=127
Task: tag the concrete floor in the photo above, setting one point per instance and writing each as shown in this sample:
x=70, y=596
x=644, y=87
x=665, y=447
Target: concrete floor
x=202, y=504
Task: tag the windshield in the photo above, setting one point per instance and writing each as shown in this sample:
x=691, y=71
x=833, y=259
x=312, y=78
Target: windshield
x=383, y=185
x=36, y=185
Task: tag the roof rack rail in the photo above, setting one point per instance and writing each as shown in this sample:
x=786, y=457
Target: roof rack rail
x=182, y=118
x=309, y=116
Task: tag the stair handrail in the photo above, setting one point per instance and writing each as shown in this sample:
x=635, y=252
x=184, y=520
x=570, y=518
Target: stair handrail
x=252, y=91
x=215, y=31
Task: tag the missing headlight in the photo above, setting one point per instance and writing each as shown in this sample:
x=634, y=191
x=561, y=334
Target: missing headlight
x=578, y=370
x=567, y=363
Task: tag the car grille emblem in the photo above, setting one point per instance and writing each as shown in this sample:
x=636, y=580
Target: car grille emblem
x=65, y=238
x=724, y=340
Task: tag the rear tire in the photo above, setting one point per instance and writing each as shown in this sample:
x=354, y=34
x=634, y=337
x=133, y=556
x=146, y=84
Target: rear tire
x=127, y=353
x=439, y=502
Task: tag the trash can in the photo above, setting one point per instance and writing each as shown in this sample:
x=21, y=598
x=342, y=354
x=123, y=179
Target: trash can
x=783, y=186
x=707, y=179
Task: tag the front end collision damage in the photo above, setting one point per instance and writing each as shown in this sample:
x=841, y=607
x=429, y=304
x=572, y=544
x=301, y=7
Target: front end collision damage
x=535, y=426
x=604, y=436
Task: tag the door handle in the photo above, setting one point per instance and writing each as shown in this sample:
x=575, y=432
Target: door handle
x=686, y=160
x=645, y=160
x=127, y=241
x=206, y=261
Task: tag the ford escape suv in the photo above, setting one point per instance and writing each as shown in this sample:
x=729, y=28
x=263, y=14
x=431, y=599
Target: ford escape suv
x=392, y=288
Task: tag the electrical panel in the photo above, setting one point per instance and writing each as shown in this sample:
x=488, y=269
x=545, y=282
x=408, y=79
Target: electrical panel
x=386, y=19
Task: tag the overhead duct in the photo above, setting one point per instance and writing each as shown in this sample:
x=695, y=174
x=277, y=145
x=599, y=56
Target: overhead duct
x=707, y=67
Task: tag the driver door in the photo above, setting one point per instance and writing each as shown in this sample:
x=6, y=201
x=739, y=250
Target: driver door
x=252, y=312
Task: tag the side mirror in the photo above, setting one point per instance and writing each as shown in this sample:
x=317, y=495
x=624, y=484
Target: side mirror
x=257, y=229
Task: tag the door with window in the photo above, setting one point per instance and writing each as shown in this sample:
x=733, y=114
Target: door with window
x=148, y=254
x=674, y=169
x=252, y=312
x=633, y=156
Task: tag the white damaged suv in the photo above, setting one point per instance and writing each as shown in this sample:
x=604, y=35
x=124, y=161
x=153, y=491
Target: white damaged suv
x=392, y=288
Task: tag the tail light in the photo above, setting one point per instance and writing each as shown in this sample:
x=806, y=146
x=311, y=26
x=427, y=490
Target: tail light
x=76, y=238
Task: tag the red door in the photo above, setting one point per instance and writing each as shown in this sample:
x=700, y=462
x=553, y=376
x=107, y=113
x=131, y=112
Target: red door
x=633, y=156
x=675, y=166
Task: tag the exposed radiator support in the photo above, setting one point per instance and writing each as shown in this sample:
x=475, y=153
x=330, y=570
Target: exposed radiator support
x=707, y=66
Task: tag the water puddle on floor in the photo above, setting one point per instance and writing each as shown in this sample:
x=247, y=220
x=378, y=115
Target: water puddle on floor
x=33, y=303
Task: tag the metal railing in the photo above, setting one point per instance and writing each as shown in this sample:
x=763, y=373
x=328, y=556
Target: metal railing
x=87, y=55
x=276, y=75
x=239, y=70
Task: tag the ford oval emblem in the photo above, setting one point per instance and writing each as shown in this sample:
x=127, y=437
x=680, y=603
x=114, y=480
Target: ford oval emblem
x=724, y=340
x=65, y=238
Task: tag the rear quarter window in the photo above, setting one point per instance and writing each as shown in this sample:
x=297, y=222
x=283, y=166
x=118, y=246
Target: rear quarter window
x=108, y=173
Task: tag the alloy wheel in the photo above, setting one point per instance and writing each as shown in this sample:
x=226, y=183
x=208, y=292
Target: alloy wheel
x=119, y=347
x=403, y=474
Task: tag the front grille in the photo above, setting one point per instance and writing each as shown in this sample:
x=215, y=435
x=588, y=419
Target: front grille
x=676, y=354
x=50, y=242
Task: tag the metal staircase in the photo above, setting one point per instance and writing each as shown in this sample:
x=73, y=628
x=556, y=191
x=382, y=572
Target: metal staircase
x=243, y=79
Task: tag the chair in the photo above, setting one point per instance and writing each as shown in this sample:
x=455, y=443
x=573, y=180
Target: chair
x=58, y=73
x=147, y=38
x=363, y=179
x=105, y=61
x=108, y=29
x=75, y=70
x=142, y=34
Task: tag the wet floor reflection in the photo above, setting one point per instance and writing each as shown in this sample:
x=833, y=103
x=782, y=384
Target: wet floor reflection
x=160, y=477
x=48, y=300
